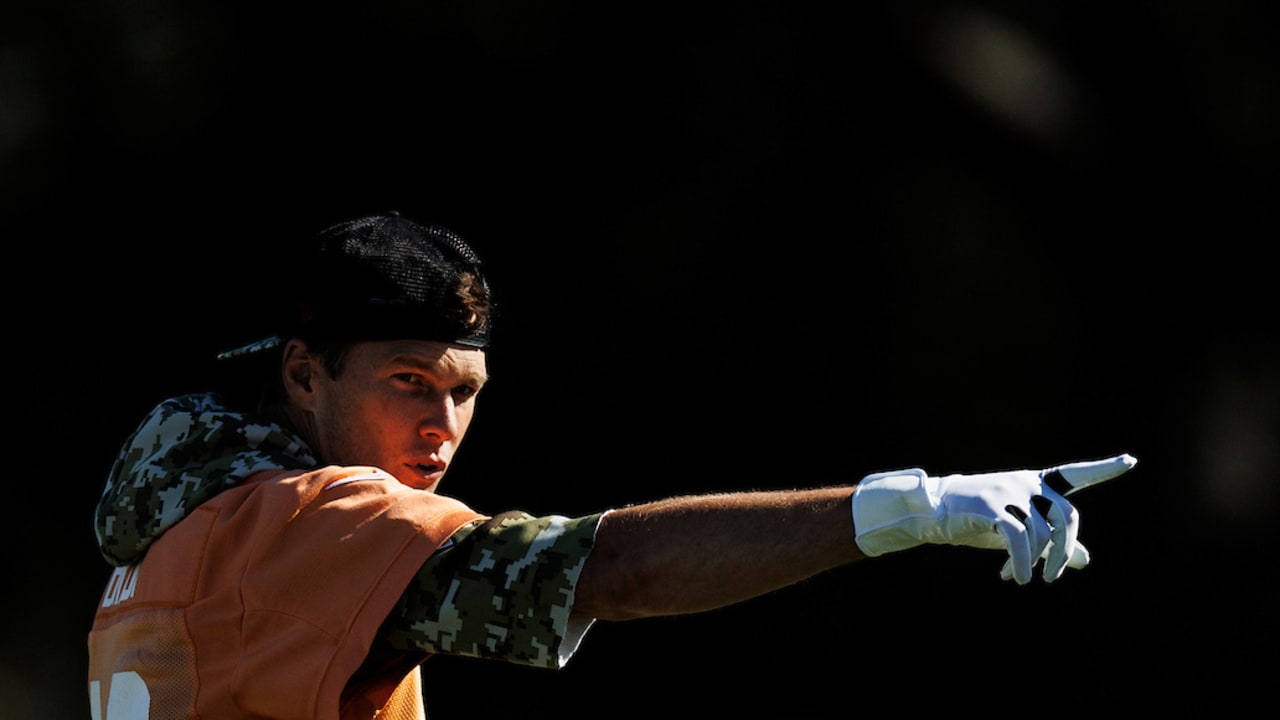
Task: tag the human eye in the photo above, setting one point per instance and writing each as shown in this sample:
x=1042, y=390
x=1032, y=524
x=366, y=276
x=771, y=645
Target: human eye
x=409, y=378
x=463, y=393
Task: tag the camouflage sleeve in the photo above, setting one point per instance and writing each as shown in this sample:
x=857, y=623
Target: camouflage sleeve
x=186, y=451
x=501, y=590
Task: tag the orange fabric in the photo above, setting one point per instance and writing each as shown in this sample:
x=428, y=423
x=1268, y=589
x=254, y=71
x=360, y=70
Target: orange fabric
x=265, y=600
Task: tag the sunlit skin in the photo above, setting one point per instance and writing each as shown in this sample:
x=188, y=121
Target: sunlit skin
x=402, y=405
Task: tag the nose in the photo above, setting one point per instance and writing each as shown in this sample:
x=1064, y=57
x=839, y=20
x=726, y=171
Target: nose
x=440, y=419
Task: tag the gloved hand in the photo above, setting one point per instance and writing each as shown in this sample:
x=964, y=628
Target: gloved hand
x=1022, y=511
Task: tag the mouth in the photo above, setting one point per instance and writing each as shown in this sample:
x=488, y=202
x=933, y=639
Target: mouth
x=430, y=471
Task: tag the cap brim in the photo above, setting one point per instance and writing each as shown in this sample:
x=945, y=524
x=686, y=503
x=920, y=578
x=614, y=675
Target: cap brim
x=253, y=347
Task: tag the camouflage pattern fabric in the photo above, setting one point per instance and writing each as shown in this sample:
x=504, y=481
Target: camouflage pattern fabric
x=500, y=588
x=501, y=591
x=187, y=450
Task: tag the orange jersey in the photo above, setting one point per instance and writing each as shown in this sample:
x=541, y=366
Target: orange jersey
x=264, y=601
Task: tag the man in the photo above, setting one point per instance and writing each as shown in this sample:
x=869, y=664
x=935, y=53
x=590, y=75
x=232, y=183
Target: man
x=282, y=550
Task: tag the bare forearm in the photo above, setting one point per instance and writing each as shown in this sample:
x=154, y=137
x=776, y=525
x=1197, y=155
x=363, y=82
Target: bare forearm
x=697, y=553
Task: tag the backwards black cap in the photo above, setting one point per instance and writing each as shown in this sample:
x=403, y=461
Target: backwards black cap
x=384, y=277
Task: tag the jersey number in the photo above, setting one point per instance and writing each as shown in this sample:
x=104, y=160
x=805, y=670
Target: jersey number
x=129, y=699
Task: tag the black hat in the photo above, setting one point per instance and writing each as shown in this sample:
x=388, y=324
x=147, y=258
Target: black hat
x=383, y=277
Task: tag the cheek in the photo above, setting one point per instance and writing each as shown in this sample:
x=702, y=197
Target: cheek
x=347, y=431
x=333, y=435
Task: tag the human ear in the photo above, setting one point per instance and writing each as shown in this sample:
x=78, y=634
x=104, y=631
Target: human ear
x=295, y=372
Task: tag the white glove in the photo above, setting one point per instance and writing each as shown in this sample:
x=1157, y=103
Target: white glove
x=1022, y=511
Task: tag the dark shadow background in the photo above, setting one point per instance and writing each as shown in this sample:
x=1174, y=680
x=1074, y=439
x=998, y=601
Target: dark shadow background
x=747, y=245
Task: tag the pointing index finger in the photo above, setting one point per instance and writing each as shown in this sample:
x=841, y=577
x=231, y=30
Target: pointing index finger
x=1072, y=477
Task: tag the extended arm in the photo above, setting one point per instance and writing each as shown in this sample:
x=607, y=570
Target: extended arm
x=526, y=589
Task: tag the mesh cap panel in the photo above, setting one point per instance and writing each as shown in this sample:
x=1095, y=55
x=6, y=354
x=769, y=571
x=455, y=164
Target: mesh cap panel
x=385, y=277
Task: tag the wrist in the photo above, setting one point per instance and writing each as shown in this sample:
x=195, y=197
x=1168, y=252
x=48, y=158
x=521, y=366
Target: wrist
x=893, y=510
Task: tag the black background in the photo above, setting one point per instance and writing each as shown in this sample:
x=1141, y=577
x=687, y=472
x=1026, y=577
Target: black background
x=747, y=245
